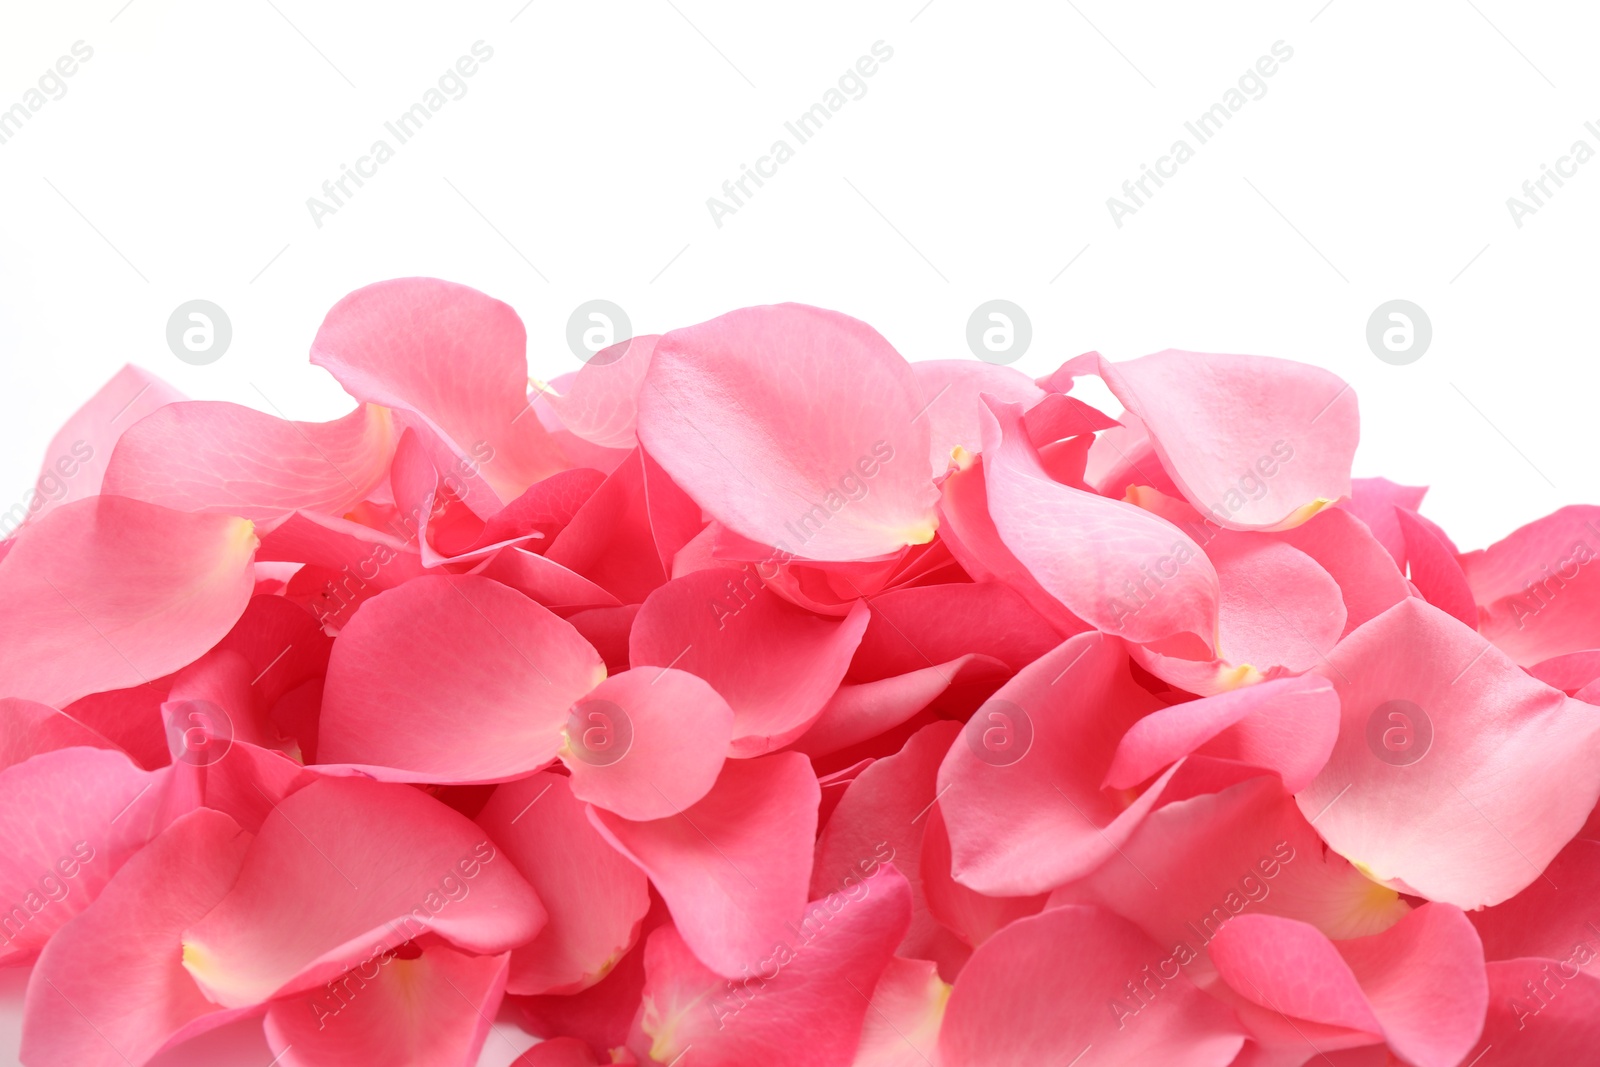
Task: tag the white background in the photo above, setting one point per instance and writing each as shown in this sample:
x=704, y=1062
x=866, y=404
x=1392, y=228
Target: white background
x=978, y=164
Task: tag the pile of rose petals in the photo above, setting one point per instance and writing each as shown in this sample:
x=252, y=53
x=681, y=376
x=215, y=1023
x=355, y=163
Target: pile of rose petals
x=754, y=696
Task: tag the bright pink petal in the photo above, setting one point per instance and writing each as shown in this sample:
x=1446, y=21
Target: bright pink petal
x=75, y=462
x=558, y=1052
x=595, y=898
x=1373, y=501
x=454, y=358
x=426, y=1010
x=1434, y=570
x=70, y=818
x=1549, y=918
x=452, y=680
x=224, y=459
x=1093, y=554
x=1038, y=992
x=803, y=1000
x=1536, y=590
x=1021, y=789
x=972, y=916
x=881, y=819
x=1471, y=821
x=734, y=867
x=110, y=988
x=647, y=743
x=344, y=869
x=27, y=729
x=626, y=534
x=826, y=459
x=776, y=665
x=859, y=713
x=1253, y=442
x=1539, y=1014
x=108, y=593
x=921, y=625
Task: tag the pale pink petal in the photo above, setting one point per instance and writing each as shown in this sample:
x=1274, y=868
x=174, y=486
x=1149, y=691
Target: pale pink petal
x=225, y=459
x=1369, y=581
x=775, y=665
x=76, y=460
x=108, y=593
x=1279, y=608
x=1473, y=820
x=601, y=403
x=902, y=1027
x=595, y=898
x=1288, y=726
x=344, y=869
x=734, y=867
x=110, y=988
x=859, y=713
x=1253, y=442
x=454, y=358
x=950, y=389
x=452, y=680
x=825, y=458
x=70, y=818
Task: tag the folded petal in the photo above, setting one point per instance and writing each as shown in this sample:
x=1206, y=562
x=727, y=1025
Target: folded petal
x=110, y=988
x=1253, y=442
x=800, y=1003
x=1419, y=986
x=1116, y=566
x=1443, y=761
x=826, y=458
x=1287, y=725
x=1037, y=992
x=1435, y=571
x=595, y=898
x=108, y=593
x=1374, y=500
x=226, y=459
x=734, y=867
x=951, y=390
x=345, y=869
x=477, y=678
x=454, y=358
x=775, y=664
